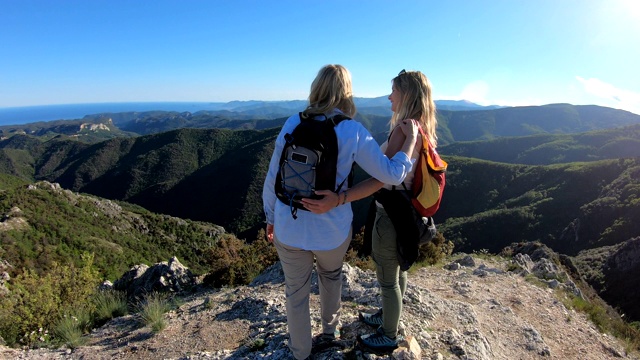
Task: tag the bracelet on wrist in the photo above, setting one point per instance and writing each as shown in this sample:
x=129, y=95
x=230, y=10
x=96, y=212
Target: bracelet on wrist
x=338, y=204
x=344, y=200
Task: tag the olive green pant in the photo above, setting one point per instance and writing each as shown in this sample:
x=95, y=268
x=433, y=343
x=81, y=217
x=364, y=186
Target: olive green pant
x=297, y=265
x=392, y=280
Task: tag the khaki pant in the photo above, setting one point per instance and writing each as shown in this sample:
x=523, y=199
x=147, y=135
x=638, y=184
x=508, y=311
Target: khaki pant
x=297, y=265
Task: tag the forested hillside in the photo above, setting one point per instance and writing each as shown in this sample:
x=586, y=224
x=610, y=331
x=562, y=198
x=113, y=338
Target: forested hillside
x=210, y=175
x=216, y=175
x=569, y=207
x=544, y=149
x=43, y=224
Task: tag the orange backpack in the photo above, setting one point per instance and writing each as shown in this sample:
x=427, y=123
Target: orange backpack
x=429, y=179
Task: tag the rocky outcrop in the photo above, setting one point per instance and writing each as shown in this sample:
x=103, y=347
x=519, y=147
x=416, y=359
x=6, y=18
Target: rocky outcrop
x=614, y=272
x=13, y=220
x=94, y=127
x=622, y=276
x=5, y=267
x=167, y=276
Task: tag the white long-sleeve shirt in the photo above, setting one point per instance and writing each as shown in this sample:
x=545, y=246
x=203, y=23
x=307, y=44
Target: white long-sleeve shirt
x=327, y=231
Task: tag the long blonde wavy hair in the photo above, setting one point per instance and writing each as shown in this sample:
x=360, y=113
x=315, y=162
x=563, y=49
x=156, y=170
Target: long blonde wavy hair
x=415, y=103
x=331, y=89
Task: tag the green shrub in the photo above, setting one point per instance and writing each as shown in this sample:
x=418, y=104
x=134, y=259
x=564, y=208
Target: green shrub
x=71, y=328
x=356, y=255
x=36, y=302
x=596, y=311
x=256, y=345
x=435, y=251
x=109, y=304
x=234, y=262
x=152, y=309
x=362, y=262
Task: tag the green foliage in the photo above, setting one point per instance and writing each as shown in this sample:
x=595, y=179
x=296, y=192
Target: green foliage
x=38, y=301
x=545, y=149
x=17, y=162
x=161, y=171
x=71, y=327
x=257, y=344
x=355, y=255
x=491, y=205
x=234, y=262
x=152, y=309
x=596, y=313
x=109, y=304
x=435, y=251
x=45, y=230
x=9, y=183
x=606, y=322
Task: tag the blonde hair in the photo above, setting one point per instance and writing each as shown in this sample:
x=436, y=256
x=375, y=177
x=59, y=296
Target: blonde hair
x=331, y=89
x=415, y=103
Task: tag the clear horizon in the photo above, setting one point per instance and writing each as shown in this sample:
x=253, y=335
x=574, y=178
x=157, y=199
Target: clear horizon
x=501, y=52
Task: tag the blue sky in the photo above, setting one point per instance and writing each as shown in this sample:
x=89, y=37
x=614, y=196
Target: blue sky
x=505, y=52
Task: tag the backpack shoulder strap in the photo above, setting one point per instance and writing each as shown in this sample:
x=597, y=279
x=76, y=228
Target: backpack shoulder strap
x=334, y=120
x=309, y=116
x=337, y=119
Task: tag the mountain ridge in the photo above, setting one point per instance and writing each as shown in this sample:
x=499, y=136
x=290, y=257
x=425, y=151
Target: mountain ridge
x=454, y=126
x=29, y=114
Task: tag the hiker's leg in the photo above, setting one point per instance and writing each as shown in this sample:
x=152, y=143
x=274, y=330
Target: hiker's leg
x=329, y=268
x=297, y=265
x=384, y=252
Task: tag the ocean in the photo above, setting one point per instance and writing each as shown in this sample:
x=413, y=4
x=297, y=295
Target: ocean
x=30, y=114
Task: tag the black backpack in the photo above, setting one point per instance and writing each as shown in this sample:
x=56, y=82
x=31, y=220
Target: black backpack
x=308, y=161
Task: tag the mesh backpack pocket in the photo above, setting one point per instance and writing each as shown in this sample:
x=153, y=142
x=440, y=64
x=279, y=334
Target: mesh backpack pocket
x=308, y=161
x=299, y=171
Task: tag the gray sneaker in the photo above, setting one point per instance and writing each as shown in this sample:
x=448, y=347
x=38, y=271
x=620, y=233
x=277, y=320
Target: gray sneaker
x=374, y=320
x=379, y=342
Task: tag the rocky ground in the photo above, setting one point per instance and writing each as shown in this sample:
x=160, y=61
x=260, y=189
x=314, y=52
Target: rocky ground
x=472, y=309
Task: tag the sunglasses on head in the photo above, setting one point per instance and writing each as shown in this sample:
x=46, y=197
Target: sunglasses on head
x=402, y=72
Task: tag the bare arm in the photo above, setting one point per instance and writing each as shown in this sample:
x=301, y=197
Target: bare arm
x=407, y=138
x=398, y=141
x=331, y=200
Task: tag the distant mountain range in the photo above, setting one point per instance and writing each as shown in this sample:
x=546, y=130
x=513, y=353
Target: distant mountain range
x=453, y=126
x=30, y=114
